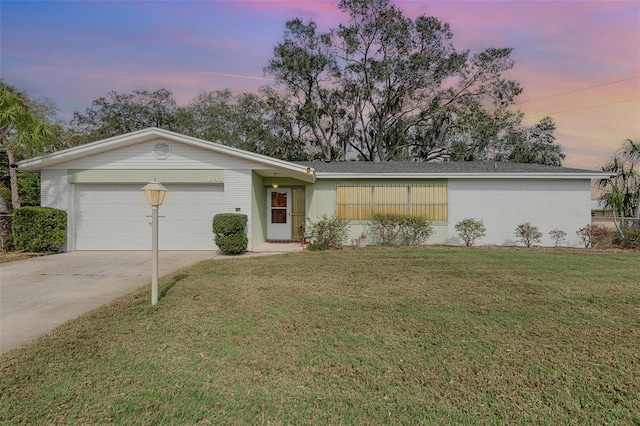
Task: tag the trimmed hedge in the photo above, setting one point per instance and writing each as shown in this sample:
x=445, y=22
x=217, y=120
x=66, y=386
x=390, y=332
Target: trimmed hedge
x=39, y=229
x=229, y=232
x=232, y=244
x=229, y=223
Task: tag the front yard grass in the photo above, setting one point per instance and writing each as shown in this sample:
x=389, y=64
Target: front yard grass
x=11, y=256
x=370, y=336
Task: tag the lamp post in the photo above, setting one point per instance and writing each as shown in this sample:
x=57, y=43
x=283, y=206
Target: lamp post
x=154, y=193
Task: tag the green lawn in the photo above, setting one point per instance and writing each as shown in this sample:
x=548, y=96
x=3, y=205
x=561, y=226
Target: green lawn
x=9, y=256
x=368, y=336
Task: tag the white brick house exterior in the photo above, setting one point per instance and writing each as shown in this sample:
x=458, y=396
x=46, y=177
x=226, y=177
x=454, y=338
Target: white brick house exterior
x=502, y=195
x=99, y=186
x=503, y=204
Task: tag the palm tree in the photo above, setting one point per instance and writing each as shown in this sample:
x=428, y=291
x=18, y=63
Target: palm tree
x=20, y=129
x=621, y=193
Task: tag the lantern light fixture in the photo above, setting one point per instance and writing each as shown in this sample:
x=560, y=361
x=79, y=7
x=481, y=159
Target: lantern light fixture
x=154, y=192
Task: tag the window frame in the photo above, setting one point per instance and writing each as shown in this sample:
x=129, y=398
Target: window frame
x=380, y=199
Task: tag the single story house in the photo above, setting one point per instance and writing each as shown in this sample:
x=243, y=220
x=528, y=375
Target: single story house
x=99, y=185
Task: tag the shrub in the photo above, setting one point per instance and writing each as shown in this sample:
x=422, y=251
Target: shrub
x=5, y=194
x=414, y=231
x=229, y=231
x=328, y=232
x=469, y=230
x=605, y=237
x=39, y=229
x=528, y=234
x=391, y=229
x=229, y=223
x=586, y=235
x=314, y=246
x=232, y=243
x=6, y=235
x=558, y=236
x=596, y=236
x=29, y=188
x=385, y=228
x=631, y=239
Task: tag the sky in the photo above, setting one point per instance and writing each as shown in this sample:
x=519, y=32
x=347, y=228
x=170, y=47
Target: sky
x=578, y=61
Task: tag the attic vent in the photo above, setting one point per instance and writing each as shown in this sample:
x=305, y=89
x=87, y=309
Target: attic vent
x=161, y=150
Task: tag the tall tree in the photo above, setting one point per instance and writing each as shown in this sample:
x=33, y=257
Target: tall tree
x=395, y=71
x=47, y=112
x=388, y=87
x=118, y=113
x=288, y=140
x=252, y=122
x=535, y=144
x=621, y=193
x=20, y=131
x=305, y=64
x=209, y=116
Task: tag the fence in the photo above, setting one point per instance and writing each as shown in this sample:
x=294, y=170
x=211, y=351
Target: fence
x=610, y=221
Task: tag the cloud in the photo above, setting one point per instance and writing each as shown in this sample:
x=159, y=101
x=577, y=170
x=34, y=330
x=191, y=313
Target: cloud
x=324, y=12
x=236, y=75
x=74, y=52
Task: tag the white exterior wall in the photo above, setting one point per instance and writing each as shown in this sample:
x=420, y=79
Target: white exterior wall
x=57, y=192
x=321, y=199
x=237, y=196
x=503, y=204
x=140, y=156
x=55, y=189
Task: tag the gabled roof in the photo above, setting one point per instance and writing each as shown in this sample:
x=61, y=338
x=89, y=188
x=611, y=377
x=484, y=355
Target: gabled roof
x=299, y=171
x=447, y=170
x=308, y=171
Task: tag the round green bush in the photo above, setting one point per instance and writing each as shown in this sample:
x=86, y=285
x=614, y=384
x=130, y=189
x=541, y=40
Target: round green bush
x=232, y=244
x=229, y=223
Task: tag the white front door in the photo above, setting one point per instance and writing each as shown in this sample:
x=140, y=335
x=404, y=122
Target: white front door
x=279, y=214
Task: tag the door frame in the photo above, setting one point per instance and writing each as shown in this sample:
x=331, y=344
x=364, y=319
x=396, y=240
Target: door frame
x=281, y=230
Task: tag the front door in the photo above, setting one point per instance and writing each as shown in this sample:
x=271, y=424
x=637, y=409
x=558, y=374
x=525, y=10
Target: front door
x=279, y=214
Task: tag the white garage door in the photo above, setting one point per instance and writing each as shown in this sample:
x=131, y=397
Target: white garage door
x=117, y=217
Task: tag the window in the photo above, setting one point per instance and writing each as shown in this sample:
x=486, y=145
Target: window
x=390, y=199
x=430, y=201
x=360, y=202
x=354, y=202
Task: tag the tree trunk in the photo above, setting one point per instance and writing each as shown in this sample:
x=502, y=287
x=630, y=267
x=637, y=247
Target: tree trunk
x=619, y=223
x=13, y=177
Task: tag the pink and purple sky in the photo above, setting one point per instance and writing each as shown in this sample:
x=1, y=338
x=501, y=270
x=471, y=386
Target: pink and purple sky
x=578, y=61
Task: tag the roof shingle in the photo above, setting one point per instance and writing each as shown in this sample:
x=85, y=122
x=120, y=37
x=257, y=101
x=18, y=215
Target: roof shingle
x=454, y=167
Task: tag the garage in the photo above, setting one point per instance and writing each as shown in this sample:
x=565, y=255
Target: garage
x=117, y=217
x=99, y=186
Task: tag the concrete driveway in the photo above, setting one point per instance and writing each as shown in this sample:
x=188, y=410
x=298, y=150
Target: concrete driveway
x=39, y=294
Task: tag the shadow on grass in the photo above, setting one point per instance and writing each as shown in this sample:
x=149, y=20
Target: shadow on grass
x=174, y=280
